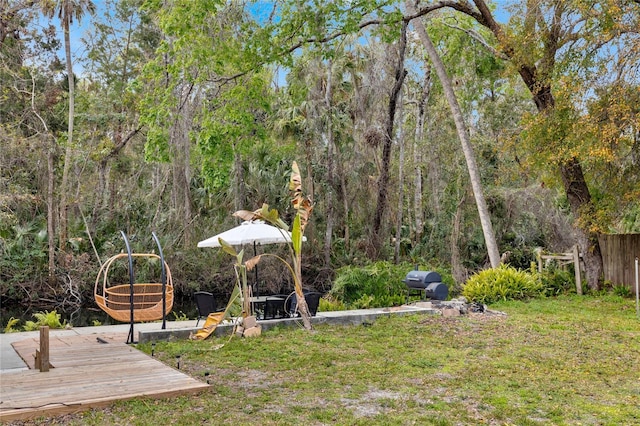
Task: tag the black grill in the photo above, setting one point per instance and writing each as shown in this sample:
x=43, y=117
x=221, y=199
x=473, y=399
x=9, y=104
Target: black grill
x=427, y=282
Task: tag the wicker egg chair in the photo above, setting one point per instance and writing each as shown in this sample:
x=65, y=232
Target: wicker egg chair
x=115, y=300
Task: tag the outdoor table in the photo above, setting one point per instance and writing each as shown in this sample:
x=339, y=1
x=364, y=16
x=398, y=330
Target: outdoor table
x=258, y=303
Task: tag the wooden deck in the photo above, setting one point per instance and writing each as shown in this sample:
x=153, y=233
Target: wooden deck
x=86, y=374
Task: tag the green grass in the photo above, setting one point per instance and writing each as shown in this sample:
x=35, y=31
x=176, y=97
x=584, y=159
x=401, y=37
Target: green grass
x=566, y=361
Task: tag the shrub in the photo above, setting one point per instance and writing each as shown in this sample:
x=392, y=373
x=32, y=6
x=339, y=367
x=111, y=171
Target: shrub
x=375, y=285
x=11, y=324
x=557, y=281
x=50, y=319
x=502, y=283
x=329, y=303
x=621, y=290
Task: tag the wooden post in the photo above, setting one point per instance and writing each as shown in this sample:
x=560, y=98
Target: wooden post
x=576, y=263
x=43, y=355
x=538, y=252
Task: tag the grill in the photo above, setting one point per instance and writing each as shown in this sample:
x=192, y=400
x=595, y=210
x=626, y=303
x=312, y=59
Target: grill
x=427, y=282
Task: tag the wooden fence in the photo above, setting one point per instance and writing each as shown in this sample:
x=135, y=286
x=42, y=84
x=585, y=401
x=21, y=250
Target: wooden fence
x=574, y=256
x=619, y=252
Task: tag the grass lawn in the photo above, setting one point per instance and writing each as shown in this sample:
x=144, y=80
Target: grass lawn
x=571, y=360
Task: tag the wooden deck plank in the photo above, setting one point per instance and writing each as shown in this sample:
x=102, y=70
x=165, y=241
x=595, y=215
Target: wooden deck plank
x=87, y=374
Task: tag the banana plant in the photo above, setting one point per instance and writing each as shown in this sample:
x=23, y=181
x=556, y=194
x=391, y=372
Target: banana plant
x=303, y=207
x=240, y=296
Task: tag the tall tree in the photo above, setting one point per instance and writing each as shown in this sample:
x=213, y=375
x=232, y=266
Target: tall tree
x=67, y=11
x=463, y=135
x=383, y=180
x=559, y=30
x=201, y=89
x=31, y=120
x=422, y=101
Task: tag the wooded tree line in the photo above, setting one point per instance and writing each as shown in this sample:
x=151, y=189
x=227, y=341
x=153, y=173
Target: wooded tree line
x=445, y=133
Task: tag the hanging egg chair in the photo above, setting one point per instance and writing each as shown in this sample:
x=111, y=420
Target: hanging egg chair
x=143, y=300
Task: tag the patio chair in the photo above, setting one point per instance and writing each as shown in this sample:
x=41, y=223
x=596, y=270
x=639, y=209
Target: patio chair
x=313, y=301
x=274, y=307
x=206, y=304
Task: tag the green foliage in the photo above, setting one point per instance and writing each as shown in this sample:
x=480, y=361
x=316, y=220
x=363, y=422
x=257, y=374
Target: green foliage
x=23, y=258
x=46, y=318
x=328, y=303
x=556, y=280
x=10, y=327
x=375, y=285
x=180, y=316
x=503, y=283
x=622, y=291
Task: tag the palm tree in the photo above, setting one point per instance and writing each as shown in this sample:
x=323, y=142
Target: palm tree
x=463, y=134
x=67, y=11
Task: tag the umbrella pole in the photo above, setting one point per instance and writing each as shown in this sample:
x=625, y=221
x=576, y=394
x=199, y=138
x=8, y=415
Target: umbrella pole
x=256, y=269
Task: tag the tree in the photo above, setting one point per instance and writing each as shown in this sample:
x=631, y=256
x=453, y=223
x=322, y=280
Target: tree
x=388, y=138
x=463, y=135
x=303, y=206
x=557, y=28
x=197, y=91
x=31, y=120
x=67, y=11
x=118, y=46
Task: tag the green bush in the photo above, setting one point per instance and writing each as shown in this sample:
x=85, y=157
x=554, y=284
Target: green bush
x=11, y=324
x=621, y=290
x=50, y=319
x=557, y=281
x=328, y=303
x=375, y=285
x=502, y=283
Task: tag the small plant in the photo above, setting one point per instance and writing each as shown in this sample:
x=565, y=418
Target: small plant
x=621, y=290
x=366, y=301
x=96, y=323
x=30, y=326
x=46, y=318
x=502, y=283
x=180, y=317
x=10, y=327
x=328, y=303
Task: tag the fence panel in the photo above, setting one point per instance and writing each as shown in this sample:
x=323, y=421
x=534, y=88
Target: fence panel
x=619, y=252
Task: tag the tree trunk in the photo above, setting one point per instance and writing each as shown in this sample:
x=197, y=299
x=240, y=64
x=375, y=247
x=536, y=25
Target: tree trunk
x=580, y=201
x=331, y=180
x=457, y=270
x=417, y=158
x=463, y=134
x=383, y=180
x=400, y=183
x=238, y=181
x=345, y=204
x=301, y=302
x=51, y=216
x=68, y=152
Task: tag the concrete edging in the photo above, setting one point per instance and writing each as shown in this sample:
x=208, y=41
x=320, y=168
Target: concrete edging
x=356, y=317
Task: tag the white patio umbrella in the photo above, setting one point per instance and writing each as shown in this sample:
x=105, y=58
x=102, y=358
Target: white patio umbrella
x=250, y=232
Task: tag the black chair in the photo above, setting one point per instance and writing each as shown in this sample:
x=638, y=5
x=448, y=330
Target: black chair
x=274, y=307
x=313, y=301
x=206, y=303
